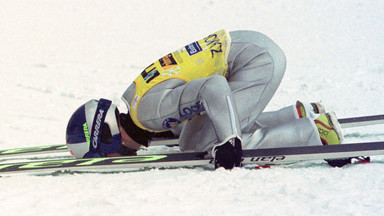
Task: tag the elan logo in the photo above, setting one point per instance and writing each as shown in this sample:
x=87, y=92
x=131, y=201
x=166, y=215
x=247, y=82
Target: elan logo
x=268, y=158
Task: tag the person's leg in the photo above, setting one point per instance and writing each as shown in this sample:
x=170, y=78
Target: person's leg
x=162, y=108
x=255, y=68
x=297, y=132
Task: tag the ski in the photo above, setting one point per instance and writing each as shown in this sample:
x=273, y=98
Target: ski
x=33, y=150
x=345, y=123
x=361, y=121
x=270, y=156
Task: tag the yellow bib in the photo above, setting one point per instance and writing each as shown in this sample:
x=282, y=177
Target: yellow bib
x=199, y=59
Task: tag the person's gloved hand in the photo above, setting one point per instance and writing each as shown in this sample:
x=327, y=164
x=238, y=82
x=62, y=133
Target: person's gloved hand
x=229, y=154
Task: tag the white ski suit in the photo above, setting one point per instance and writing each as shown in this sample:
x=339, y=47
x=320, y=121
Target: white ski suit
x=216, y=108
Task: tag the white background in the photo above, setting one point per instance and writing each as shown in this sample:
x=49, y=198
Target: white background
x=56, y=55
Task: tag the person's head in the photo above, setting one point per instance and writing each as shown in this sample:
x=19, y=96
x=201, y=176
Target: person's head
x=94, y=130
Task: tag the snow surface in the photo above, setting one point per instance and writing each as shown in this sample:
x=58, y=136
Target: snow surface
x=56, y=55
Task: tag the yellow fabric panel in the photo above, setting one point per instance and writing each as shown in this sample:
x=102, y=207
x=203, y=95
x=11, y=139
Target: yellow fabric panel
x=199, y=59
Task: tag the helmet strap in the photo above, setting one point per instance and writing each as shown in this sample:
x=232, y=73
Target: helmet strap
x=101, y=111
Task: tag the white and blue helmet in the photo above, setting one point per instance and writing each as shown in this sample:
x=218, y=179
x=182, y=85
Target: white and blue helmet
x=93, y=130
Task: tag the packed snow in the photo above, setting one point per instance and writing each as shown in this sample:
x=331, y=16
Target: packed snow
x=56, y=55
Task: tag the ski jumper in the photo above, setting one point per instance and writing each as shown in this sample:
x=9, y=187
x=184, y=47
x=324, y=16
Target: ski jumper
x=204, y=106
x=183, y=84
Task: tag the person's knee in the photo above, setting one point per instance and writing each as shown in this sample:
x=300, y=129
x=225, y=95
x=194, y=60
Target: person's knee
x=279, y=60
x=275, y=53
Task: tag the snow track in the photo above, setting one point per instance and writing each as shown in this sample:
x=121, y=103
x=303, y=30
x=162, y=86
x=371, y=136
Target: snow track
x=56, y=55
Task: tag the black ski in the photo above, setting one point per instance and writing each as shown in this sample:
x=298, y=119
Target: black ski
x=345, y=123
x=257, y=157
x=33, y=150
x=361, y=121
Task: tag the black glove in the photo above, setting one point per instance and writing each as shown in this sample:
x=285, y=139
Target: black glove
x=229, y=154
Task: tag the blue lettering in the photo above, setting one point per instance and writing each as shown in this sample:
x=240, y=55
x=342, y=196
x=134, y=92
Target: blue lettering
x=188, y=112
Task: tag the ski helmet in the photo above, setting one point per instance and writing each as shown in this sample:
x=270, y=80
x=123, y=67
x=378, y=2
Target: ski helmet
x=93, y=130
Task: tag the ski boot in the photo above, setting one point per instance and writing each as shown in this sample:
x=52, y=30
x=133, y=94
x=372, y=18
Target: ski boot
x=309, y=110
x=329, y=129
